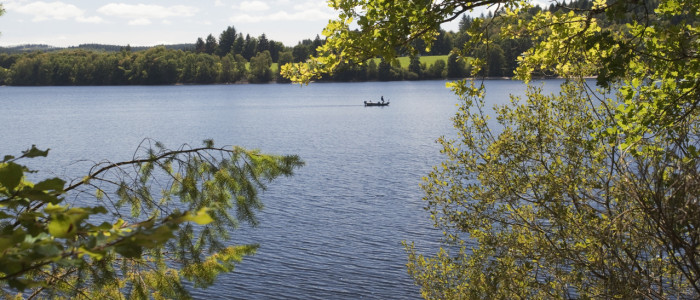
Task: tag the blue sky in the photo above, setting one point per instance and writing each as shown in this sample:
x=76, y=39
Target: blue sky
x=147, y=23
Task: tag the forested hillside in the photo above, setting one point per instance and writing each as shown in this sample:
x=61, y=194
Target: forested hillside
x=237, y=57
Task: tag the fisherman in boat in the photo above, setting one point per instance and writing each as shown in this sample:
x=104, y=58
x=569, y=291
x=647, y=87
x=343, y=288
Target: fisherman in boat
x=382, y=99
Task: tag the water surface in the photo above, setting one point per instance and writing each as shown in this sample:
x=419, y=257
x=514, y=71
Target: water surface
x=334, y=230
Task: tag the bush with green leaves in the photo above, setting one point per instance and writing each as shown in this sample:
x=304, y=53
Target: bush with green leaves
x=590, y=193
x=133, y=229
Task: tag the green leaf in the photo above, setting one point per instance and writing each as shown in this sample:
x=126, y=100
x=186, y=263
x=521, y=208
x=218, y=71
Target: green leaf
x=53, y=184
x=129, y=250
x=48, y=250
x=20, y=284
x=62, y=226
x=34, y=152
x=98, y=255
x=11, y=175
x=6, y=243
x=99, y=210
x=53, y=209
x=40, y=196
x=201, y=217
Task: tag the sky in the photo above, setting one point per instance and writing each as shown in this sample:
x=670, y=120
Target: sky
x=146, y=23
x=65, y=23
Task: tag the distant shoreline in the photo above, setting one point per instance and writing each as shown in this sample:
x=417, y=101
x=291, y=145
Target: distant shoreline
x=293, y=83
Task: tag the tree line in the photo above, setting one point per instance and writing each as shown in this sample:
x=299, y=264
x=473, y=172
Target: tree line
x=230, y=58
x=235, y=57
x=155, y=66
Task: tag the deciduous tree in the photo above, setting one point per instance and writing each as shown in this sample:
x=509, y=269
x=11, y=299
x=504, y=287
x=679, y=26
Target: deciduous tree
x=456, y=67
x=285, y=57
x=592, y=192
x=414, y=68
x=260, y=71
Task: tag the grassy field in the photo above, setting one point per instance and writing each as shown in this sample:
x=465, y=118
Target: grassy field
x=427, y=60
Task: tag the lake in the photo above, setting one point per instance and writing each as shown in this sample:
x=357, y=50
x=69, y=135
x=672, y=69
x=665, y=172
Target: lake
x=332, y=231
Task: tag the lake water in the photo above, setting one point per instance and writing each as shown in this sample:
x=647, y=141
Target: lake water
x=332, y=231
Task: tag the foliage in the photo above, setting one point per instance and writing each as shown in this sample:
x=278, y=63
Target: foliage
x=210, y=61
x=591, y=192
x=95, y=64
x=415, y=68
x=456, y=67
x=260, y=68
x=135, y=229
x=226, y=40
x=210, y=45
x=155, y=66
x=285, y=58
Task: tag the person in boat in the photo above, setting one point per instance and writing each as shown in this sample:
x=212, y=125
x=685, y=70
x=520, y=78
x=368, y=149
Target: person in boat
x=382, y=99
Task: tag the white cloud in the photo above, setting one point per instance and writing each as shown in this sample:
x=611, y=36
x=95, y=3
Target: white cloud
x=12, y=4
x=218, y=3
x=311, y=14
x=43, y=11
x=245, y=18
x=93, y=19
x=312, y=5
x=140, y=22
x=141, y=14
x=307, y=10
x=253, y=6
x=306, y=15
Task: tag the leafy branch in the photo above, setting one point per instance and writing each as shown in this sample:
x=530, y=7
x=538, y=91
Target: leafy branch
x=167, y=191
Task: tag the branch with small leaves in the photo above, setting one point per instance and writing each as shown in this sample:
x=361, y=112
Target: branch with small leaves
x=50, y=247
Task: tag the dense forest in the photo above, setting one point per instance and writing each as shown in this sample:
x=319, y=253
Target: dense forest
x=234, y=57
x=231, y=58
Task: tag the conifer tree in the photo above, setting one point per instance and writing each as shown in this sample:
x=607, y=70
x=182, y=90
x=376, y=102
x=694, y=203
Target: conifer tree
x=200, y=46
x=211, y=45
x=226, y=41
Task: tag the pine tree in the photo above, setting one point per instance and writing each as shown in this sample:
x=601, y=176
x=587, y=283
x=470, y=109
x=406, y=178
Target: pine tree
x=226, y=41
x=211, y=46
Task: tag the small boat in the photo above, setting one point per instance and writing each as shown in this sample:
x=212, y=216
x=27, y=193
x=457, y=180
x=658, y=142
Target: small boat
x=370, y=103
